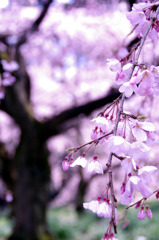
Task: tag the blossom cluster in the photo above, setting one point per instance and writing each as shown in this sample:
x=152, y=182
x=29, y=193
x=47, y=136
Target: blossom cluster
x=144, y=82
x=6, y=78
x=127, y=136
x=102, y=207
x=140, y=17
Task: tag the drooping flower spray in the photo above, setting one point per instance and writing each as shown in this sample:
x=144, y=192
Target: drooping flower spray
x=125, y=134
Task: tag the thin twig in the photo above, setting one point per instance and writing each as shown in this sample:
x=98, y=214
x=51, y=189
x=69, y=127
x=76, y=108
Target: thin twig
x=142, y=199
x=93, y=141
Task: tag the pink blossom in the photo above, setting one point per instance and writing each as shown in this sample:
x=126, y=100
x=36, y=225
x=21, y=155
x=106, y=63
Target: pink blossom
x=114, y=65
x=92, y=206
x=155, y=72
x=141, y=181
x=95, y=166
x=109, y=236
x=146, y=170
x=147, y=80
x=138, y=133
x=128, y=89
x=136, y=16
x=135, y=79
x=81, y=161
x=138, y=182
x=65, y=165
x=124, y=74
x=137, y=205
x=141, y=213
x=119, y=145
x=104, y=210
x=137, y=148
x=140, y=129
x=127, y=196
x=141, y=186
x=127, y=69
x=157, y=195
x=128, y=164
x=103, y=124
x=140, y=16
x=148, y=212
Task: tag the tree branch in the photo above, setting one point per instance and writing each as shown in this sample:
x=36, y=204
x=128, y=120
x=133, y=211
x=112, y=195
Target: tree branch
x=35, y=25
x=54, y=125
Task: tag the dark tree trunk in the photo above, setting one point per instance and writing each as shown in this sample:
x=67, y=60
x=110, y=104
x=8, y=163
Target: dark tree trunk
x=31, y=188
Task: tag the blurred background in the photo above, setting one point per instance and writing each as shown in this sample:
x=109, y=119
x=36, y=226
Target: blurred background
x=57, y=53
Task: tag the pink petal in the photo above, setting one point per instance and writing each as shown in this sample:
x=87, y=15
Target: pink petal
x=139, y=134
x=81, y=161
x=148, y=126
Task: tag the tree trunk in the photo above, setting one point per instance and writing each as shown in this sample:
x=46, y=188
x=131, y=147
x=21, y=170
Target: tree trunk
x=31, y=188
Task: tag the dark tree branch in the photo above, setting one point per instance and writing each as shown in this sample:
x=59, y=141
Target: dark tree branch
x=35, y=25
x=54, y=125
x=7, y=170
x=17, y=109
x=20, y=112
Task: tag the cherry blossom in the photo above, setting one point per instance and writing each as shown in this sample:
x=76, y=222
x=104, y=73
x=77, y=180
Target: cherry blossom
x=109, y=235
x=143, y=179
x=157, y=195
x=119, y=145
x=127, y=194
x=104, y=210
x=109, y=238
x=127, y=136
x=124, y=74
x=140, y=16
x=148, y=212
x=138, y=148
x=145, y=87
x=92, y=206
x=101, y=207
x=128, y=164
x=103, y=124
x=128, y=89
x=141, y=213
x=144, y=211
x=65, y=165
x=136, y=16
x=114, y=65
x=138, y=179
x=140, y=129
x=95, y=166
x=80, y=161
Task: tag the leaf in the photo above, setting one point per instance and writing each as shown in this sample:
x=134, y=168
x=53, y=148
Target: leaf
x=142, y=117
x=69, y=149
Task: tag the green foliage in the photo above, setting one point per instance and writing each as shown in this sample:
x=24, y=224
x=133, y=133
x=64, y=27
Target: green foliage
x=66, y=224
x=147, y=228
x=6, y=225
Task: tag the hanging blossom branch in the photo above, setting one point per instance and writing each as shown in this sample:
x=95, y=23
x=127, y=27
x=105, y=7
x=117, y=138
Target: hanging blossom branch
x=134, y=64
x=138, y=203
x=125, y=134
